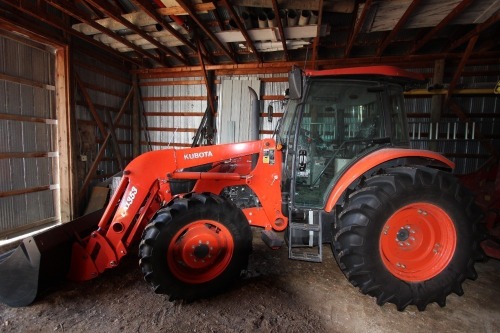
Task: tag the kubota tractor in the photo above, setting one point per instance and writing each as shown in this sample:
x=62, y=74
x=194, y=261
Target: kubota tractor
x=339, y=171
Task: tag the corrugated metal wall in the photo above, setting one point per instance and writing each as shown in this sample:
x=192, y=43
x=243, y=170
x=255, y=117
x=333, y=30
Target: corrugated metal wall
x=458, y=140
x=174, y=107
x=173, y=110
x=28, y=129
x=107, y=85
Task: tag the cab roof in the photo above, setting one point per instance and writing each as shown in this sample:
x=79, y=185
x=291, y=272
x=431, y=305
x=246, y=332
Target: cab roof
x=387, y=71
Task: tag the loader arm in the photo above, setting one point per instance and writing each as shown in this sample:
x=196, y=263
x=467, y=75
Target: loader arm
x=145, y=187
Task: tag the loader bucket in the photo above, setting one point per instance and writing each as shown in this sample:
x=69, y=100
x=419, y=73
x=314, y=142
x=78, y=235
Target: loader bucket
x=41, y=260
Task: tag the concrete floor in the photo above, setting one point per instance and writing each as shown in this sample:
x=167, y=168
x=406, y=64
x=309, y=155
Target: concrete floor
x=278, y=295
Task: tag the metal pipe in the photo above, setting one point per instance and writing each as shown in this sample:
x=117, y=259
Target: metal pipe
x=246, y=20
x=271, y=20
x=262, y=20
x=314, y=17
x=283, y=19
x=292, y=18
x=304, y=17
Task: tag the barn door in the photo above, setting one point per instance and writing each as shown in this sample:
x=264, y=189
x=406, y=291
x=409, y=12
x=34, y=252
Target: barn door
x=29, y=154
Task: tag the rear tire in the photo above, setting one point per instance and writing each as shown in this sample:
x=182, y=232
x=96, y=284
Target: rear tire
x=195, y=247
x=408, y=237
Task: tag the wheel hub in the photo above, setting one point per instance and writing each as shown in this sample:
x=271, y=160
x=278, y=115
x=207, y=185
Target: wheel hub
x=417, y=242
x=403, y=235
x=200, y=251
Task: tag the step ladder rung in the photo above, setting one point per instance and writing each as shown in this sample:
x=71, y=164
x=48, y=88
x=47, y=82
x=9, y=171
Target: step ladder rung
x=307, y=256
x=313, y=251
x=305, y=226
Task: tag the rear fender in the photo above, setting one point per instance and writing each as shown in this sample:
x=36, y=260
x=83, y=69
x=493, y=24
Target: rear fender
x=375, y=159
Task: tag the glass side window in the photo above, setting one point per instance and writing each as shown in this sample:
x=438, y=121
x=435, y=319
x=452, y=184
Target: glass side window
x=340, y=119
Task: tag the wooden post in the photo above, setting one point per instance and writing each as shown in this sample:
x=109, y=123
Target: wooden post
x=437, y=100
x=136, y=119
x=64, y=198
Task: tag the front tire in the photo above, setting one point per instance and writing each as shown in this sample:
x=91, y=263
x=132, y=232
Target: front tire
x=195, y=247
x=407, y=237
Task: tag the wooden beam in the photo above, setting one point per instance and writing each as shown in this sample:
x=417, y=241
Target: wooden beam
x=316, y=39
x=71, y=10
x=147, y=7
x=357, y=27
x=444, y=22
x=402, y=21
x=194, y=16
x=65, y=197
x=461, y=65
x=437, y=100
x=16, y=117
x=280, y=28
x=242, y=29
x=12, y=193
x=208, y=84
x=478, y=29
x=106, y=9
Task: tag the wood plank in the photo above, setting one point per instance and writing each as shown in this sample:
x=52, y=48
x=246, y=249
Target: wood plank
x=12, y=193
x=27, y=155
x=65, y=197
x=27, y=82
x=171, y=83
x=172, y=129
x=174, y=98
x=15, y=117
x=175, y=114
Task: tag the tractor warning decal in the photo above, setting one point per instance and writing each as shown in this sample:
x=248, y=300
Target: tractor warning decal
x=268, y=157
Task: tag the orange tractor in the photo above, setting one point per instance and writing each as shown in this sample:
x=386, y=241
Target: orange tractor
x=339, y=171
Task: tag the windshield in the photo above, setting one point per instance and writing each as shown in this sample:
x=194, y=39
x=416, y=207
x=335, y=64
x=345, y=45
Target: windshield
x=341, y=120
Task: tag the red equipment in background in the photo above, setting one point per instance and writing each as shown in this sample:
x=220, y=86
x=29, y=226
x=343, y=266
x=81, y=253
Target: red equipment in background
x=485, y=183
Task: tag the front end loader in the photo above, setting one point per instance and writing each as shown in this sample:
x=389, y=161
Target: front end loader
x=338, y=172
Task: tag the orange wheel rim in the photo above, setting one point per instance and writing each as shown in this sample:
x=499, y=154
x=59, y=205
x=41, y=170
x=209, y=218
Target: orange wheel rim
x=418, y=242
x=200, y=251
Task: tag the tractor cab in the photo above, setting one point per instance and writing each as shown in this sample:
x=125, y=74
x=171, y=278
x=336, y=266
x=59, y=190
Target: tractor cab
x=334, y=118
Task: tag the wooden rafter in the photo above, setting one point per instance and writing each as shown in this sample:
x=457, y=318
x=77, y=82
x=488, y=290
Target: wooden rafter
x=69, y=9
x=444, y=22
x=210, y=95
x=104, y=7
x=242, y=28
x=402, y=21
x=478, y=29
x=316, y=39
x=194, y=16
x=460, y=68
x=280, y=28
x=148, y=8
x=58, y=24
x=357, y=28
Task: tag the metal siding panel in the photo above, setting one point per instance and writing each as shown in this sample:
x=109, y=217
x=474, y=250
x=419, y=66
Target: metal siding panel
x=4, y=136
x=13, y=100
x=28, y=62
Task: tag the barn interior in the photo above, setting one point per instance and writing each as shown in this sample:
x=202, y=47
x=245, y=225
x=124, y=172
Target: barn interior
x=86, y=86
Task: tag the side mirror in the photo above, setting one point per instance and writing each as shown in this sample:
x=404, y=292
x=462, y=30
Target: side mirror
x=270, y=112
x=295, y=83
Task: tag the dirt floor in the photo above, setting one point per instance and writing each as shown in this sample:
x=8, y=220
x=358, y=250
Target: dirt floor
x=278, y=295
